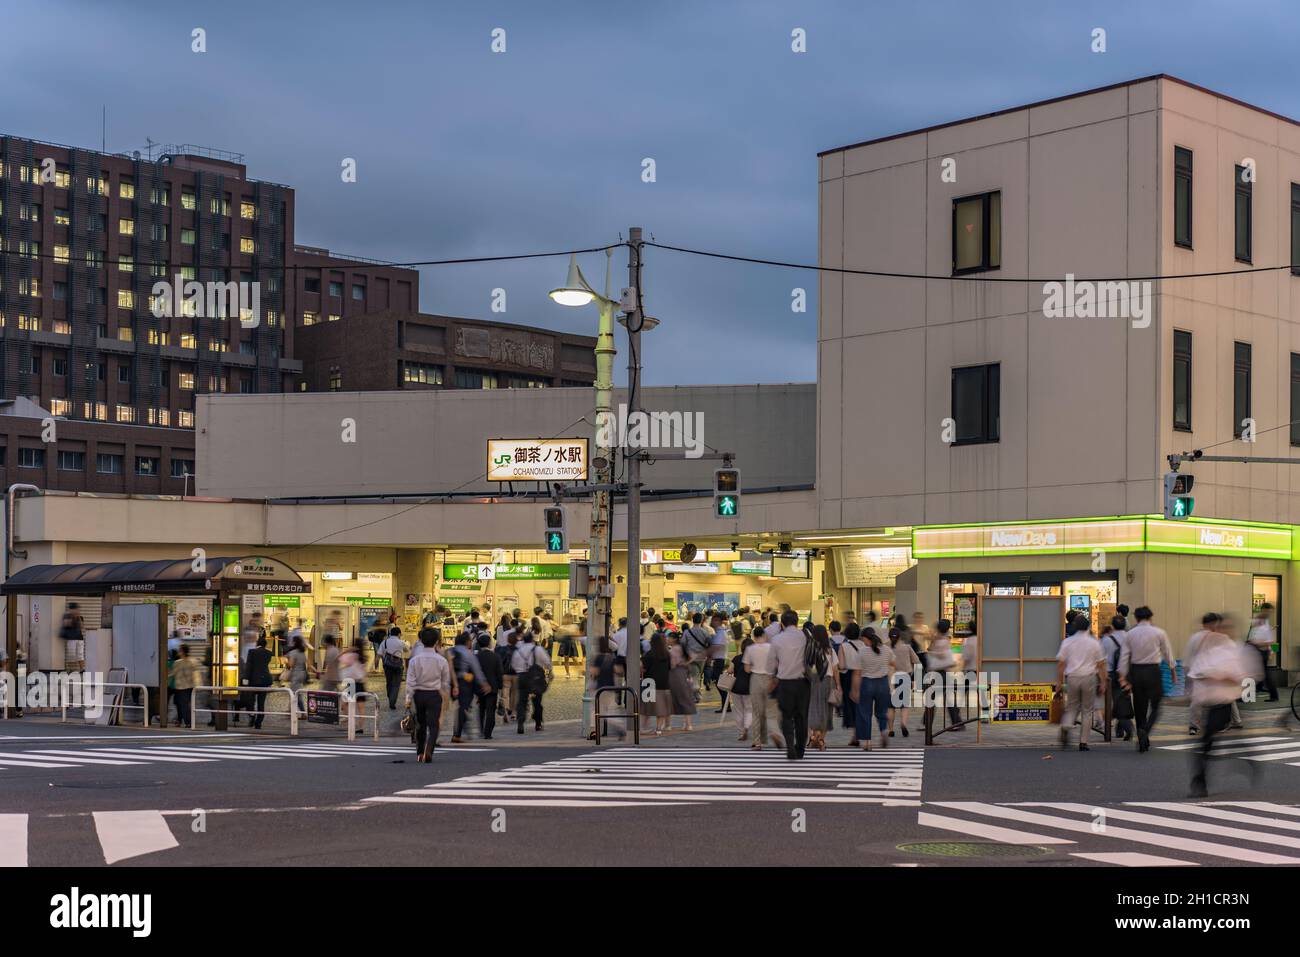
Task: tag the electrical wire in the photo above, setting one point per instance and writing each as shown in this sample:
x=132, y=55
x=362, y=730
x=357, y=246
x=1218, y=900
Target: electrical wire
x=977, y=277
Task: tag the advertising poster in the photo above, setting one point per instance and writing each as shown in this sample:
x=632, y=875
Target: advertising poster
x=689, y=602
x=963, y=614
x=1022, y=703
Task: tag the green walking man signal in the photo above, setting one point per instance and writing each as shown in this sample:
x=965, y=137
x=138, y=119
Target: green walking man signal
x=726, y=493
x=557, y=539
x=1178, y=495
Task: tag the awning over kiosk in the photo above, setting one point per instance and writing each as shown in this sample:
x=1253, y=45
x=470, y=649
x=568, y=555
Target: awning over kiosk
x=254, y=573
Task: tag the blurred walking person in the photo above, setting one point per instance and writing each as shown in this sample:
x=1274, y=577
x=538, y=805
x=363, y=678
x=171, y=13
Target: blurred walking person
x=657, y=666
x=184, y=678
x=870, y=688
x=1260, y=637
x=428, y=683
x=470, y=681
x=532, y=668
x=392, y=654
x=490, y=664
x=823, y=680
x=1112, y=646
x=849, y=651
x=1145, y=646
x=682, y=682
x=940, y=659
x=900, y=682
x=741, y=705
x=789, y=658
x=1080, y=667
x=1217, y=674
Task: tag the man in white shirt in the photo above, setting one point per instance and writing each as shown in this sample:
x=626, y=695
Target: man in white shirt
x=531, y=684
x=392, y=653
x=1261, y=638
x=793, y=689
x=1080, y=668
x=1139, y=670
x=428, y=682
x=757, y=662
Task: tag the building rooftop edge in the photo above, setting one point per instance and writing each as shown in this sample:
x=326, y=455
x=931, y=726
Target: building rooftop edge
x=1060, y=99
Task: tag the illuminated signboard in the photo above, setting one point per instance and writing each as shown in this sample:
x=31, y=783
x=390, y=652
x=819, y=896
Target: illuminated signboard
x=537, y=460
x=1204, y=538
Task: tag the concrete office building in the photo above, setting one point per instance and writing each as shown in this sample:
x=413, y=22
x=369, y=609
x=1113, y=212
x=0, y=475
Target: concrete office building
x=1013, y=424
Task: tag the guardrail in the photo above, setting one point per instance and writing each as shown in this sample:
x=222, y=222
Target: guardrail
x=120, y=706
x=634, y=714
x=292, y=711
x=348, y=695
x=956, y=695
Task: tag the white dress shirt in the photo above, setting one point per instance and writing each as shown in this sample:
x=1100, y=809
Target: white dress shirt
x=787, y=654
x=528, y=654
x=427, y=672
x=1145, y=644
x=1080, y=654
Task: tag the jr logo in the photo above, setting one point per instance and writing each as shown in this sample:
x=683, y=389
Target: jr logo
x=502, y=459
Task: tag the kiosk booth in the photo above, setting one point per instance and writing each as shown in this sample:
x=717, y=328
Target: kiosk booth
x=205, y=603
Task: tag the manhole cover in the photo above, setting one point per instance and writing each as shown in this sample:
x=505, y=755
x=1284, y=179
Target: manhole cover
x=972, y=849
x=98, y=785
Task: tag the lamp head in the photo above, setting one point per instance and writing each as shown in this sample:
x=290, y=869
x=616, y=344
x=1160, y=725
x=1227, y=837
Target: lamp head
x=575, y=291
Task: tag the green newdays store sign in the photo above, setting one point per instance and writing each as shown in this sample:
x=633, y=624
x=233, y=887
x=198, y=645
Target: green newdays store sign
x=506, y=572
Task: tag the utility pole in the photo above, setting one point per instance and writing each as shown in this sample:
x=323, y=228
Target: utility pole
x=635, y=319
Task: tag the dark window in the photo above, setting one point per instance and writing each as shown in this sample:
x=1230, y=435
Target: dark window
x=976, y=402
x=2, y=455
x=1183, y=197
x=31, y=365
x=31, y=458
x=246, y=387
x=336, y=290
x=124, y=374
x=358, y=292
x=182, y=467
x=1295, y=229
x=336, y=379
x=311, y=284
x=59, y=366
x=977, y=233
x=108, y=463
x=146, y=465
x=1295, y=399
x=475, y=379
x=1240, y=386
x=72, y=461
x=1242, y=190
x=1182, y=380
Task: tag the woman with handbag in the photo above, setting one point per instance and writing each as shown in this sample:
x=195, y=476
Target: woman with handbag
x=849, y=662
x=870, y=689
x=824, y=681
x=656, y=667
x=900, y=691
x=736, y=684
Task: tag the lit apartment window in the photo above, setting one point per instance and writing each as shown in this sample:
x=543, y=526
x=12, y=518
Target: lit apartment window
x=95, y=258
x=125, y=334
x=272, y=318
x=29, y=287
x=977, y=233
x=1242, y=189
x=1182, y=380
x=218, y=345
x=1240, y=386
x=187, y=237
x=185, y=419
x=125, y=299
x=158, y=232
x=31, y=458
x=221, y=206
x=186, y=381
x=61, y=217
x=336, y=379
x=125, y=189
x=476, y=379
x=308, y=318
x=30, y=249
x=72, y=461
x=188, y=200
x=62, y=179
x=246, y=244
x=95, y=410
x=334, y=317
x=30, y=323
x=146, y=465
x=161, y=417
x=187, y=340
x=157, y=338
x=125, y=262
x=216, y=383
x=1295, y=229
x=30, y=212
x=247, y=211
x=61, y=327
x=60, y=407
x=188, y=273
x=126, y=227
x=421, y=373
x=190, y=307
x=976, y=403
x=108, y=463
x=125, y=413
x=158, y=271
x=95, y=184
x=1182, y=197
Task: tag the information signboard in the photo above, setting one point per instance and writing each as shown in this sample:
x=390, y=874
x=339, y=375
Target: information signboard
x=1022, y=703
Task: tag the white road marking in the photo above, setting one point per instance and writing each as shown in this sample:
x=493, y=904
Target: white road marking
x=1219, y=813
x=1134, y=859
x=1197, y=744
x=125, y=834
x=991, y=831
x=13, y=840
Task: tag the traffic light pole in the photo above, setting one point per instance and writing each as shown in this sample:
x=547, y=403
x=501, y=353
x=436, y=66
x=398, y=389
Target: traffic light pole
x=635, y=320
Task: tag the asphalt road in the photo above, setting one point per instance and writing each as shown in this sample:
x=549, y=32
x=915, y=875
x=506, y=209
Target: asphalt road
x=682, y=800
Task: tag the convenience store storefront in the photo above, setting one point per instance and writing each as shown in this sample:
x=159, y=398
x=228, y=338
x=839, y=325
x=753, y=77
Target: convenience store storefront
x=1180, y=569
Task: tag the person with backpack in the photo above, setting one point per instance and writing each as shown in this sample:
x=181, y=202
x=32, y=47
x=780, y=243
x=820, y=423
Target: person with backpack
x=1112, y=645
x=532, y=667
x=490, y=664
x=823, y=680
x=849, y=662
x=695, y=645
x=871, y=683
x=392, y=654
x=470, y=681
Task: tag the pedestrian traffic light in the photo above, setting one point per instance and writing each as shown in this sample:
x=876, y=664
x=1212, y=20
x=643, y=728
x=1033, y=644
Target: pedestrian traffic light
x=726, y=493
x=557, y=539
x=1178, y=495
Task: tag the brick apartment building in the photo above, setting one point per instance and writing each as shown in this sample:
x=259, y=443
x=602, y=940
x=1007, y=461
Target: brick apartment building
x=84, y=236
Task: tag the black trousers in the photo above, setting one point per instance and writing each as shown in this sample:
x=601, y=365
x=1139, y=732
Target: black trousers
x=392, y=684
x=524, y=693
x=1147, y=692
x=257, y=705
x=792, y=697
x=1268, y=677
x=487, y=713
x=1217, y=717
x=428, y=710
x=464, y=703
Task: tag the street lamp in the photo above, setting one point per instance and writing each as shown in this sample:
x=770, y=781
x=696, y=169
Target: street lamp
x=576, y=291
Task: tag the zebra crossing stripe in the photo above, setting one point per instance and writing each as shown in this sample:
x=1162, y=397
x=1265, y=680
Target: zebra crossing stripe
x=991, y=831
x=1167, y=841
x=1178, y=824
x=77, y=758
x=158, y=758
x=124, y=834
x=1219, y=813
x=518, y=802
x=1224, y=752
x=197, y=751
x=1133, y=859
x=1261, y=806
x=14, y=761
x=1197, y=744
x=13, y=840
